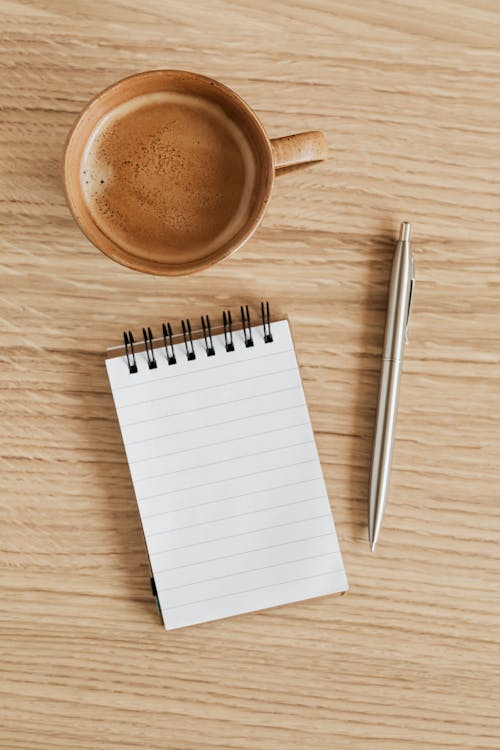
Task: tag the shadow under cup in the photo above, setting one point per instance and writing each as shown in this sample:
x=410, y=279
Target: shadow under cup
x=180, y=189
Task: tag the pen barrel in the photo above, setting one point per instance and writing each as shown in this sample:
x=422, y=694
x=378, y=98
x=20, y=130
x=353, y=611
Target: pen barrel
x=396, y=319
x=383, y=441
x=396, y=331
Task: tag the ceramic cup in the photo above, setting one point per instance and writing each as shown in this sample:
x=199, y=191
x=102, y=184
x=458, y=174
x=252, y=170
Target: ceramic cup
x=182, y=253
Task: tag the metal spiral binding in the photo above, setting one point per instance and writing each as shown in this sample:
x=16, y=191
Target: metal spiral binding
x=266, y=323
x=186, y=332
x=229, y=343
x=207, y=333
x=169, y=345
x=247, y=325
x=148, y=343
x=227, y=322
x=129, y=342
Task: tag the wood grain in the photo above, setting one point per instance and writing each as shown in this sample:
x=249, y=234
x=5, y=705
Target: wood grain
x=408, y=95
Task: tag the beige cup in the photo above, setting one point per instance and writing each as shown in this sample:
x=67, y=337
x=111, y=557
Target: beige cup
x=268, y=157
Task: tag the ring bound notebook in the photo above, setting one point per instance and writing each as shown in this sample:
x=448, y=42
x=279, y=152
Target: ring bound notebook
x=225, y=470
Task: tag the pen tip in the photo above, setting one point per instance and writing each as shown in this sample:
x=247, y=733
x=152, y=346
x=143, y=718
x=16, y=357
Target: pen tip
x=404, y=232
x=372, y=546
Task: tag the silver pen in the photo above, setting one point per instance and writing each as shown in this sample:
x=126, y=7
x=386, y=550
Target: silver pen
x=396, y=336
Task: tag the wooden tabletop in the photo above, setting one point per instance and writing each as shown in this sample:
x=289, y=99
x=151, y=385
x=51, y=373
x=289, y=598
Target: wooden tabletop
x=408, y=97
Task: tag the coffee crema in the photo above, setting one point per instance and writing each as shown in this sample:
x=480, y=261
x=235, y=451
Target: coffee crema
x=167, y=174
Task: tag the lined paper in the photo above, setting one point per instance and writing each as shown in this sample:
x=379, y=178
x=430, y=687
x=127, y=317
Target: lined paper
x=227, y=478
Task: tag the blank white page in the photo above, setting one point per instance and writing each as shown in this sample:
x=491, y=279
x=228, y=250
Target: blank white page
x=227, y=478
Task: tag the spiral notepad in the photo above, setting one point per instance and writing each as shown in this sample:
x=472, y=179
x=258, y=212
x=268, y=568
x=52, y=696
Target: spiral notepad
x=225, y=470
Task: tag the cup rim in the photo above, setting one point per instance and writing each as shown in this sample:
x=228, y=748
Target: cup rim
x=146, y=265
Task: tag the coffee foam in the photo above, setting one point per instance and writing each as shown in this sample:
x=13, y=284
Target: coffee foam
x=167, y=174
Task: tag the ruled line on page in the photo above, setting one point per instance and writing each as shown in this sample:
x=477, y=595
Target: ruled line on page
x=224, y=461
x=249, y=570
x=185, y=373
x=209, y=387
x=220, y=519
x=218, y=424
x=245, y=552
x=219, y=442
x=218, y=481
x=208, y=406
x=233, y=536
x=232, y=497
x=259, y=588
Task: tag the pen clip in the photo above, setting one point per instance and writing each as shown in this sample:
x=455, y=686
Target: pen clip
x=410, y=299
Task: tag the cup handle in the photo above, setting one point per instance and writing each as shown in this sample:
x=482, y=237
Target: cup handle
x=299, y=149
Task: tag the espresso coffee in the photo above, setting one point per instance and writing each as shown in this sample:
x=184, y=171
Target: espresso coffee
x=168, y=173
